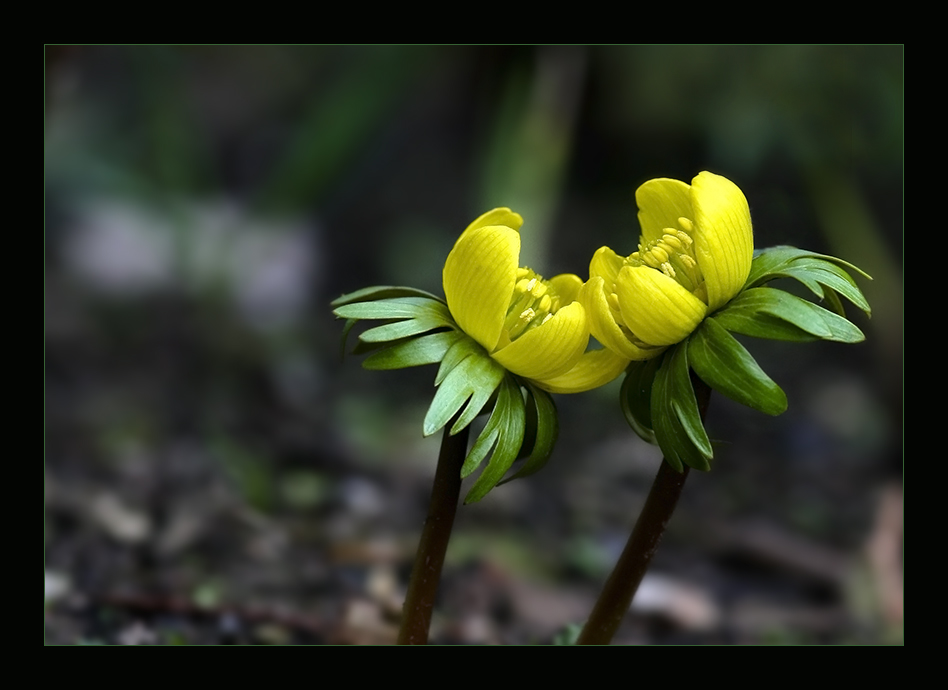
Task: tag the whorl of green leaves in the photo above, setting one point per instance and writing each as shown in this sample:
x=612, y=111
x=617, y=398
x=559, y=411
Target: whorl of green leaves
x=419, y=330
x=657, y=395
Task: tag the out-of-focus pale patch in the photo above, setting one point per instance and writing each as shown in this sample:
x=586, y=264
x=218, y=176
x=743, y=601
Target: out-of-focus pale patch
x=687, y=605
x=266, y=267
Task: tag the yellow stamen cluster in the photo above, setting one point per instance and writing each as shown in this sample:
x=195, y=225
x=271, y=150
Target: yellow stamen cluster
x=673, y=255
x=534, y=302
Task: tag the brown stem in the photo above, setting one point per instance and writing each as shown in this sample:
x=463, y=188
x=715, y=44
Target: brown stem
x=426, y=572
x=620, y=588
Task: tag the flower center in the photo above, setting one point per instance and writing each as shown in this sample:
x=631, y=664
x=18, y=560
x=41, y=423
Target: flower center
x=533, y=302
x=673, y=254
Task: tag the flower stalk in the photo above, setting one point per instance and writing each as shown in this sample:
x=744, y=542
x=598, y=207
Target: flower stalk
x=429, y=559
x=623, y=582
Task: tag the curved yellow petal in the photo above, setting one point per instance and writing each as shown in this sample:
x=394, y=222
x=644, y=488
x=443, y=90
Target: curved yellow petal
x=724, y=238
x=594, y=369
x=479, y=276
x=661, y=203
x=497, y=216
x=603, y=326
x=550, y=349
x=655, y=308
x=606, y=263
x=567, y=286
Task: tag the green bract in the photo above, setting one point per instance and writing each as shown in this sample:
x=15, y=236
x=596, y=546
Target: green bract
x=420, y=330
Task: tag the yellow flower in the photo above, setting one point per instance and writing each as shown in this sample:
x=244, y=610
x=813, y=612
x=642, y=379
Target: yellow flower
x=694, y=256
x=534, y=328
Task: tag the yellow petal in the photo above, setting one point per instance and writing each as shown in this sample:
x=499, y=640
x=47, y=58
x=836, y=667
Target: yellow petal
x=655, y=308
x=724, y=238
x=594, y=369
x=606, y=263
x=567, y=286
x=603, y=325
x=661, y=203
x=550, y=349
x=479, y=276
x=497, y=216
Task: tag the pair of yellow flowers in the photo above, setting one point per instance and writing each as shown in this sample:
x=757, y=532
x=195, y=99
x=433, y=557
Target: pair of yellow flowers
x=694, y=256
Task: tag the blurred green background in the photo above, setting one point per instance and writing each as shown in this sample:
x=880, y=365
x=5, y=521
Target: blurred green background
x=215, y=473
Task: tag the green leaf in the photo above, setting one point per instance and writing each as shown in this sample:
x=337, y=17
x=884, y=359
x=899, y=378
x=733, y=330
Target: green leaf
x=398, y=308
x=726, y=366
x=410, y=316
x=463, y=348
x=510, y=428
x=362, y=347
x=378, y=292
x=635, y=397
x=543, y=426
x=836, y=306
x=830, y=276
x=772, y=259
x=474, y=378
x=678, y=426
x=664, y=419
x=483, y=375
x=446, y=403
x=686, y=408
x=817, y=275
x=483, y=443
x=403, y=329
x=413, y=352
x=492, y=430
x=345, y=337
x=809, y=268
x=742, y=315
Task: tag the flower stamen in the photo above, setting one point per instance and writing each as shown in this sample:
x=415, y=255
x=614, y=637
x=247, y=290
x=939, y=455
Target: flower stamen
x=533, y=303
x=673, y=255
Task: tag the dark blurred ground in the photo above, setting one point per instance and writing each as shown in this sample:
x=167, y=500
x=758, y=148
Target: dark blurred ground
x=214, y=474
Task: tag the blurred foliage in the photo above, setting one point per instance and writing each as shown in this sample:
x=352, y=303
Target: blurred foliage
x=251, y=473
x=366, y=134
